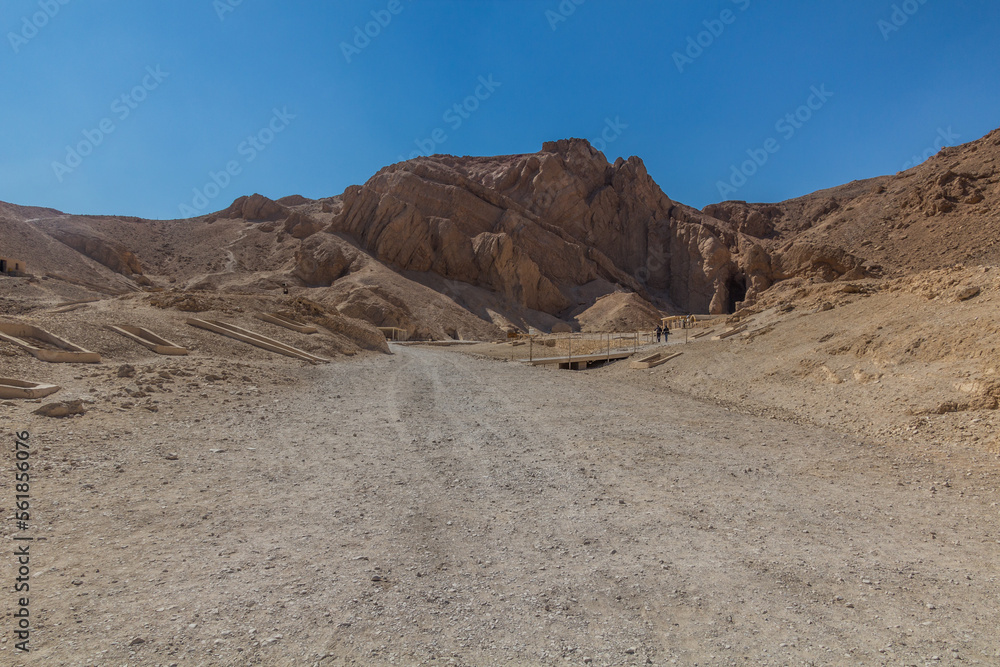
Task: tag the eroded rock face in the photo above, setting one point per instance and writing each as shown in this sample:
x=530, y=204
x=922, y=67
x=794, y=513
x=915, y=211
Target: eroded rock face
x=533, y=228
x=302, y=226
x=757, y=221
x=256, y=208
x=813, y=260
x=321, y=260
x=113, y=255
x=371, y=305
x=755, y=263
x=506, y=268
x=700, y=266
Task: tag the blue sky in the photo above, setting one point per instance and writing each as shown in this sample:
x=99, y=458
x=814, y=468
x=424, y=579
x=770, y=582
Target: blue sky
x=159, y=109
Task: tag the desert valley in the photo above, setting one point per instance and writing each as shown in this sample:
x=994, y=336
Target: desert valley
x=372, y=475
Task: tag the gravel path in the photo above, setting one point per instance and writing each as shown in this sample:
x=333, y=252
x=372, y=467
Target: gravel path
x=437, y=508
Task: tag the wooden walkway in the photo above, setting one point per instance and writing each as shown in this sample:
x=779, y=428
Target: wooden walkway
x=580, y=361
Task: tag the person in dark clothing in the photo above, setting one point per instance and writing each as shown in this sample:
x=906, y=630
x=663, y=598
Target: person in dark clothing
x=666, y=334
x=659, y=331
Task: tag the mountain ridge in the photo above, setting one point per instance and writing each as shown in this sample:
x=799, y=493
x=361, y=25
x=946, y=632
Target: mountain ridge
x=447, y=246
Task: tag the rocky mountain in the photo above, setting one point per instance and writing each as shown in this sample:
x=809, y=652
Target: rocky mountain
x=87, y=259
x=546, y=233
x=943, y=212
x=465, y=247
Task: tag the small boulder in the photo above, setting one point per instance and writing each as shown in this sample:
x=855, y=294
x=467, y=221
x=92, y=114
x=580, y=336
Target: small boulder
x=61, y=409
x=967, y=293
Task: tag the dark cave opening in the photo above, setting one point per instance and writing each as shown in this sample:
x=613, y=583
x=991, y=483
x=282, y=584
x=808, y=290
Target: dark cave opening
x=737, y=292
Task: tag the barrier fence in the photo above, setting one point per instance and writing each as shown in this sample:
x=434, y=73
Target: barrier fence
x=529, y=347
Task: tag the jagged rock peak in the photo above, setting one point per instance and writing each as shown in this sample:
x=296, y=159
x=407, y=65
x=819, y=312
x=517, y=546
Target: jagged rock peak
x=574, y=148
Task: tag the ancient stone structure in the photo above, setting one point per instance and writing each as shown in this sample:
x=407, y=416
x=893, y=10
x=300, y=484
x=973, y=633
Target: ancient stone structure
x=45, y=346
x=12, y=267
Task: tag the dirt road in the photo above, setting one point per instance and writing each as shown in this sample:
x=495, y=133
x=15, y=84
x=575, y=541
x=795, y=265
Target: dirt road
x=437, y=508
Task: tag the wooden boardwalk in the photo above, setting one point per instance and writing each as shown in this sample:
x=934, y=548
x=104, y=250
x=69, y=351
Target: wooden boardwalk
x=580, y=361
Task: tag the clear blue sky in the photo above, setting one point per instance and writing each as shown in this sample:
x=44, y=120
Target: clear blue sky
x=223, y=67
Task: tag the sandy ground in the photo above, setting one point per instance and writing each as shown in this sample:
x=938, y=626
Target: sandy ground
x=437, y=507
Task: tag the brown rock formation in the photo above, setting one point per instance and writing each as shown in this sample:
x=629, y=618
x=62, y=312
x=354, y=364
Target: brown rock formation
x=756, y=221
x=113, y=255
x=294, y=200
x=320, y=261
x=940, y=213
x=470, y=246
x=828, y=263
x=758, y=272
x=256, y=208
x=301, y=226
x=535, y=228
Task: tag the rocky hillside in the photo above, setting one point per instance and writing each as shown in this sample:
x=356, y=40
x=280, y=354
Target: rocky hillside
x=943, y=212
x=464, y=247
x=62, y=255
x=530, y=239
